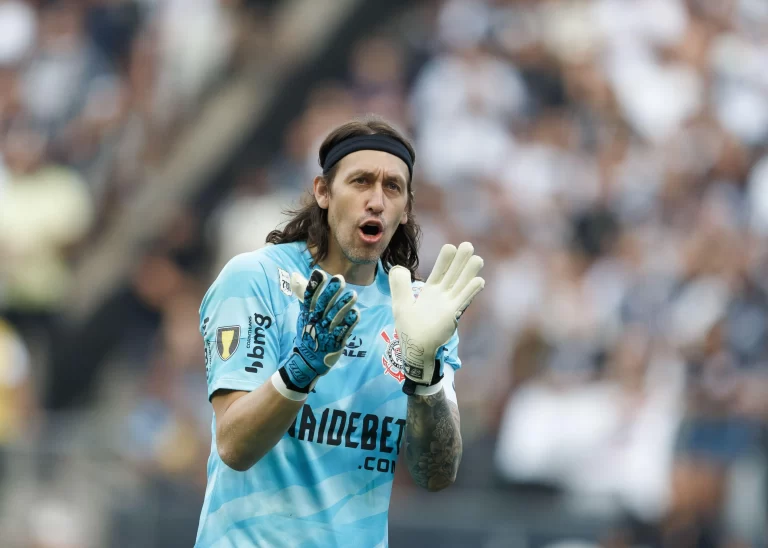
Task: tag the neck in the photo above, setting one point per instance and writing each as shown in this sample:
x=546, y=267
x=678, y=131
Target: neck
x=354, y=273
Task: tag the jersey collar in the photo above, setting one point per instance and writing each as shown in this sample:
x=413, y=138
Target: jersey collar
x=380, y=281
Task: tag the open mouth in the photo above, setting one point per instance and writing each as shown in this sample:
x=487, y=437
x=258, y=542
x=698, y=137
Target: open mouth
x=371, y=232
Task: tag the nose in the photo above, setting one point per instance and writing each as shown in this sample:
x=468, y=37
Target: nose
x=376, y=199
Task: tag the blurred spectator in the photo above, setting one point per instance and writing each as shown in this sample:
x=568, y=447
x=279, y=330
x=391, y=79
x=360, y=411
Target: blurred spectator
x=46, y=209
x=253, y=209
x=64, y=60
x=112, y=27
x=378, y=71
x=18, y=31
x=618, y=438
x=195, y=44
x=167, y=429
x=17, y=398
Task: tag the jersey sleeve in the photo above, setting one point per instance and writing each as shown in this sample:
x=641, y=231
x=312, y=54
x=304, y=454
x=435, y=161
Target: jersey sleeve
x=451, y=351
x=452, y=362
x=240, y=330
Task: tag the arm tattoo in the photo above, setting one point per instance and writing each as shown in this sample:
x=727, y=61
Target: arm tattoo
x=432, y=441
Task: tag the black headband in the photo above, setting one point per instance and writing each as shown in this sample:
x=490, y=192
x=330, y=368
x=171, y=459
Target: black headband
x=383, y=143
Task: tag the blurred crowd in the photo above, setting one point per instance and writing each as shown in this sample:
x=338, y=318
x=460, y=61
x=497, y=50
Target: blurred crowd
x=607, y=158
x=92, y=96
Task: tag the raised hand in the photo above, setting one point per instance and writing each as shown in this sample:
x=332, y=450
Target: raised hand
x=327, y=317
x=426, y=323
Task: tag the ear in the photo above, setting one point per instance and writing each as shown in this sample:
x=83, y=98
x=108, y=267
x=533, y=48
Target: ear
x=322, y=192
x=404, y=218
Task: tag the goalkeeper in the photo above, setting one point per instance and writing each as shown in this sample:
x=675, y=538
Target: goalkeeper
x=325, y=358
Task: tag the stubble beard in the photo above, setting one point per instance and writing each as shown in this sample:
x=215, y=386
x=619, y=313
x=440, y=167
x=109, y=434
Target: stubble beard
x=356, y=255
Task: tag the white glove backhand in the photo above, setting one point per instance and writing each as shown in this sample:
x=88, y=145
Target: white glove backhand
x=426, y=323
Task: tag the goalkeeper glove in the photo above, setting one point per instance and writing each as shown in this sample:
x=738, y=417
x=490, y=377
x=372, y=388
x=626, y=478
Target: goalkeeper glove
x=426, y=323
x=327, y=316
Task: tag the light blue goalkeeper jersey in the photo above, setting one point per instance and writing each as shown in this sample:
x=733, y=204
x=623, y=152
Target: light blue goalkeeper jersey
x=328, y=481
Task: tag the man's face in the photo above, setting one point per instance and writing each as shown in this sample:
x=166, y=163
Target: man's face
x=366, y=202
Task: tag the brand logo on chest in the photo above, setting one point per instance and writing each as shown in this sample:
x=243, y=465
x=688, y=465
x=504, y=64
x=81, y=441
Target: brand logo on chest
x=392, y=360
x=352, y=349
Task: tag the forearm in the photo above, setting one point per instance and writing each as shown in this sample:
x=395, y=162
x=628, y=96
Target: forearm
x=433, y=440
x=252, y=425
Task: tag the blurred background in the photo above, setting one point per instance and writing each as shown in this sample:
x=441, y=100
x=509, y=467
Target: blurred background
x=607, y=158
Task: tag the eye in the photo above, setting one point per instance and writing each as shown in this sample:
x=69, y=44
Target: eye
x=392, y=185
x=359, y=180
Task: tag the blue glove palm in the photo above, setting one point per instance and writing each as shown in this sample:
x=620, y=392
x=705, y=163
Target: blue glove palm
x=327, y=316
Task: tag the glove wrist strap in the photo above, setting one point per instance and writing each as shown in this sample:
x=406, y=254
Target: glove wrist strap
x=283, y=385
x=428, y=390
x=413, y=388
x=297, y=373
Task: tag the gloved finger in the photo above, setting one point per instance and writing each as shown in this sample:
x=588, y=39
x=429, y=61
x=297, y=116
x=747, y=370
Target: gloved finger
x=471, y=269
x=474, y=287
x=400, y=287
x=463, y=255
x=298, y=285
x=328, y=295
x=442, y=263
x=314, y=287
x=340, y=308
x=342, y=332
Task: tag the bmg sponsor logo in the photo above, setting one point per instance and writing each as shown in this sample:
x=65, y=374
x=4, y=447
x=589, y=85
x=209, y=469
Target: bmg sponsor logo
x=257, y=340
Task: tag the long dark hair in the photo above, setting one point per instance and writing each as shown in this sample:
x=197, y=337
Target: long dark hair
x=310, y=222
